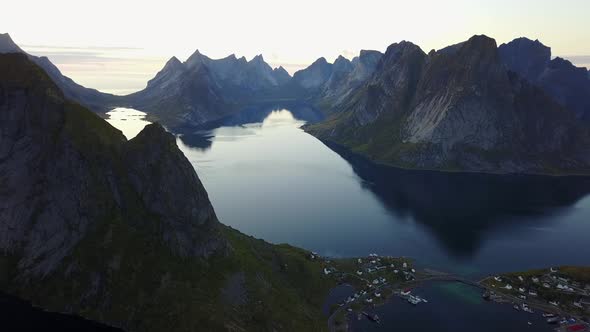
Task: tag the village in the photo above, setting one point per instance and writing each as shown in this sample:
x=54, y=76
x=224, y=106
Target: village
x=560, y=295
x=375, y=279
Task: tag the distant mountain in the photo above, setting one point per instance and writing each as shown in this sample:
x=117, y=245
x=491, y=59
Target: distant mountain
x=328, y=84
x=281, y=75
x=123, y=232
x=95, y=100
x=203, y=89
x=180, y=96
x=347, y=76
x=314, y=76
x=567, y=84
x=457, y=109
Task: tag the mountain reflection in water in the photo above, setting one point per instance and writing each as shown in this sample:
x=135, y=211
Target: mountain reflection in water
x=268, y=178
x=459, y=208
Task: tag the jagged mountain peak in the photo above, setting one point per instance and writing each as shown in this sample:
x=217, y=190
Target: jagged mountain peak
x=257, y=58
x=320, y=61
x=7, y=45
x=231, y=57
x=197, y=58
x=480, y=43
x=173, y=62
x=402, y=46
x=341, y=58
x=342, y=64
x=364, y=53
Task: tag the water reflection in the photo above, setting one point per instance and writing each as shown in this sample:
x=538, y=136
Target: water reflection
x=268, y=178
x=128, y=120
x=460, y=208
x=200, y=137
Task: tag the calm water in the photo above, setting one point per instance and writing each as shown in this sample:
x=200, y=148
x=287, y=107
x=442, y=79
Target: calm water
x=268, y=178
x=451, y=307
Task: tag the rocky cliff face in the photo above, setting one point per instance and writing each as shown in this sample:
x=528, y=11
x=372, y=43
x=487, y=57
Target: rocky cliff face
x=328, y=85
x=123, y=231
x=560, y=79
x=65, y=171
x=180, y=96
x=314, y=76
x=457, y=109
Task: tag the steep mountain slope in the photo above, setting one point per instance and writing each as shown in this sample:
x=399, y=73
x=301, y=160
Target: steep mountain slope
x=565, y=83
x=203, y=89
x=123, y=231
x=178, y=96
x=327, y=85
x=345, y=80
x=457, y=109
x=95, y=100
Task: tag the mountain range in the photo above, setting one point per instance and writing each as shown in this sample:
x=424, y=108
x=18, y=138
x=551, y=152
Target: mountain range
x=472, y=106
x=468, y=107
x=123, y=232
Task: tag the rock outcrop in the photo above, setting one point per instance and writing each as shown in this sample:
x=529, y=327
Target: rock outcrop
x=457, y=109
x=65, y=171
x=123, y=232
x=565, y=83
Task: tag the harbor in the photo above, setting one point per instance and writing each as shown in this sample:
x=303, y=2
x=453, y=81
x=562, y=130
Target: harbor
x=378, y=280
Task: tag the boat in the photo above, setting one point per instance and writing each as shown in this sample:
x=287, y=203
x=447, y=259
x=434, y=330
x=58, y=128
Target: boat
x=372, y=317
x=516, y=307
x=413, y=300
x=553, y=320
x=548, y=315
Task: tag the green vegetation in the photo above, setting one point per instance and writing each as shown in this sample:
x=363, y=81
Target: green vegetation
x=122, y=276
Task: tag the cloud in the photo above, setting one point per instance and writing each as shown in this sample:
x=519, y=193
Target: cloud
x=90, y=48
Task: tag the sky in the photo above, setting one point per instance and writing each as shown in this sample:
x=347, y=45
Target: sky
x=116, y=46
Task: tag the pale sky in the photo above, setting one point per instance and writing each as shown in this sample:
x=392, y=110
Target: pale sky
x=116, y=46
